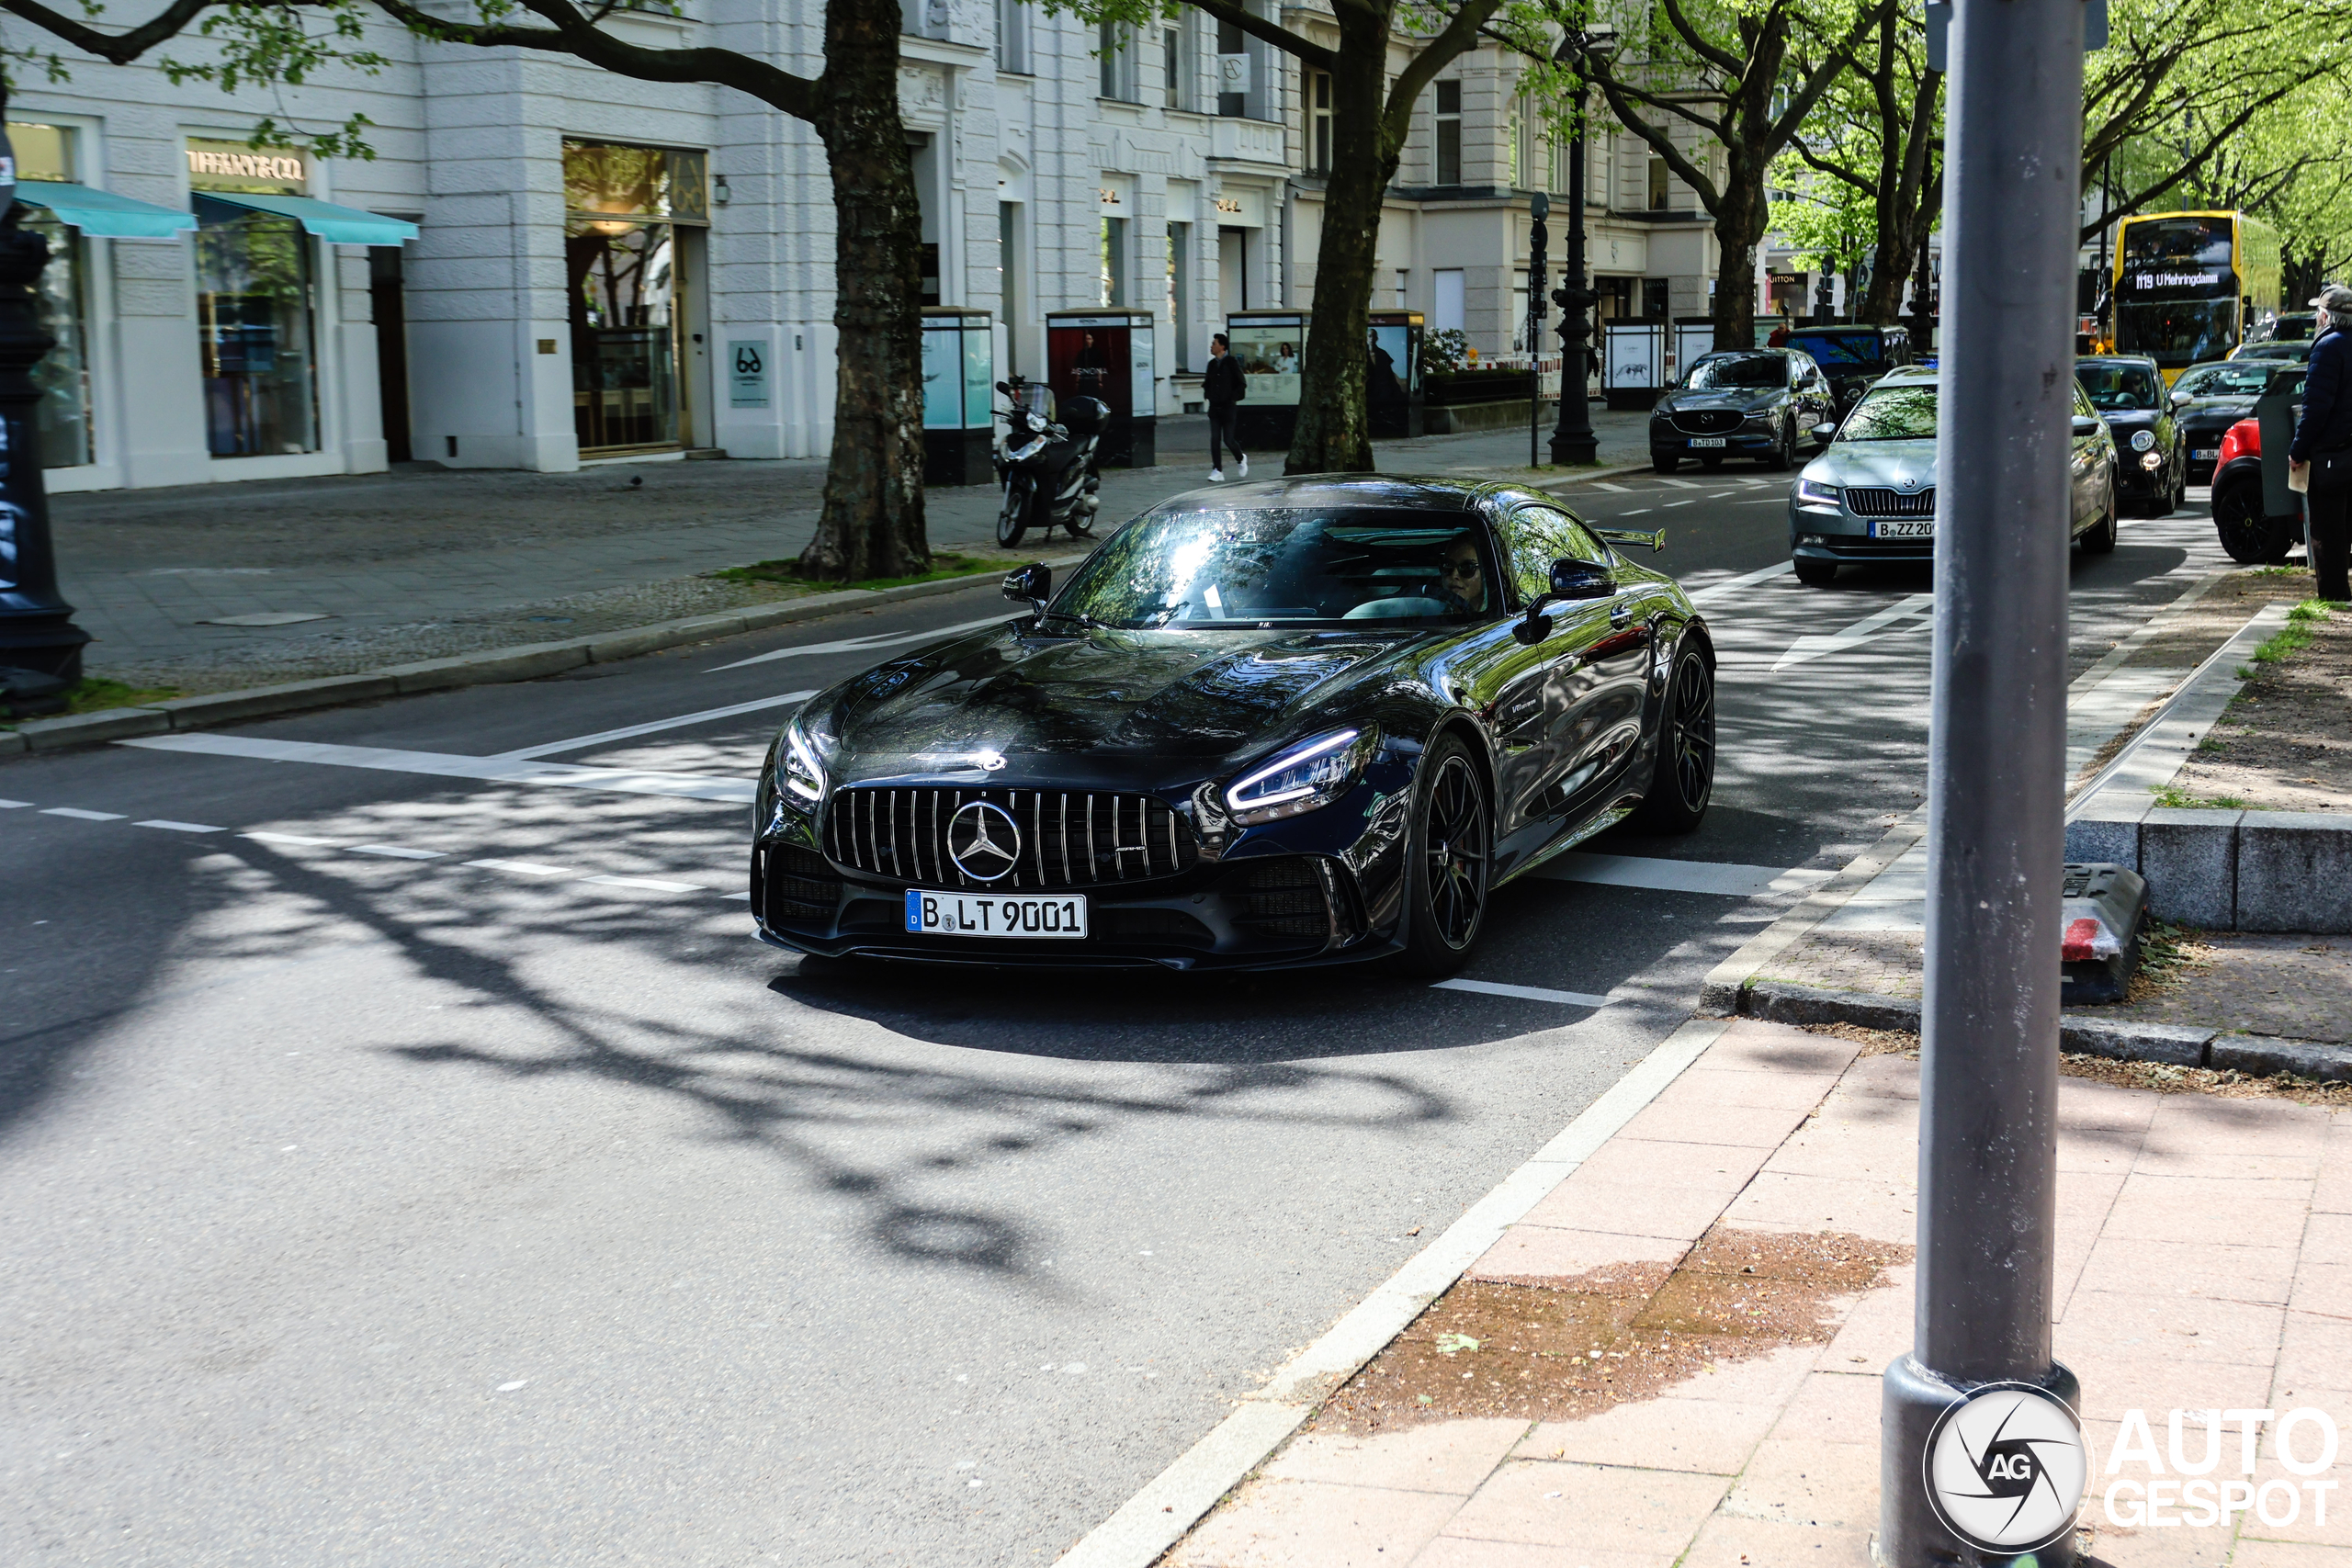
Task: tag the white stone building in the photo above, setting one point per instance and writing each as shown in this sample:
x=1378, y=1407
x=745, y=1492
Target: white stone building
x=603, y=267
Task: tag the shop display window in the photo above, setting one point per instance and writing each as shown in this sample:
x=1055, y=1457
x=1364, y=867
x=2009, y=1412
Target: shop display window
x=628, y=289
x=47, y=153
x=254, y=323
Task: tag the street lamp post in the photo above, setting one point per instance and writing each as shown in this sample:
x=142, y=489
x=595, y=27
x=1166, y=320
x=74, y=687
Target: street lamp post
x=37, y=629
x=1572, y=439
x=1982, y=1457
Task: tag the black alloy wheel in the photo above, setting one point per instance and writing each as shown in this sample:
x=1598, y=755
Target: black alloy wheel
x=2250, y=537
x=1013, y=519
x=1684, y=780
x=1451, y=856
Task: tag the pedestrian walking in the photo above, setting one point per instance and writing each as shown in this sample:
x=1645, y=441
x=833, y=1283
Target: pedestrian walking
x=2321, y=458
x=1224, y=386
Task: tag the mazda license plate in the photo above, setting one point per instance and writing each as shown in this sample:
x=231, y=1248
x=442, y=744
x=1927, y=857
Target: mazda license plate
x=1707, y=441
x=1905, y=528
x=990, y=914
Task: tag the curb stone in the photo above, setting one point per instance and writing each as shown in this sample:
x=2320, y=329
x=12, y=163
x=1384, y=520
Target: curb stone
x=2117, y=1040
x=524, y=662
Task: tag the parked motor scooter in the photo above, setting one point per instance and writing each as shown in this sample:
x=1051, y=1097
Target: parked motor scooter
x=1047, y=467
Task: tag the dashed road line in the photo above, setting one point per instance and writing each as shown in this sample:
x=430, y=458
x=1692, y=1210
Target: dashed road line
x=81, y=816
x=651, y=884
x=1683, y=484
x=1686, y=501
x=167, y=824
x=395, y=852
x=523, y=867
x=294, y=839
x=1523, y=993
x=1603, y=484
x=13, y=804
x=1637, y=512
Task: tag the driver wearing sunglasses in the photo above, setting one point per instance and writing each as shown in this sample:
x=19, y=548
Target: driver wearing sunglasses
x=1465, y=578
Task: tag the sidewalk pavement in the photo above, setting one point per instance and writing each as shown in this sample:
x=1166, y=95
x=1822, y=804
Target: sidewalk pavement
x=2204, y=1261
x=426, y=562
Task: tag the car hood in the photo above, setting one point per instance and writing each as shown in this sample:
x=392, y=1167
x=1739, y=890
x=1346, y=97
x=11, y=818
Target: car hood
x=1897, y=465
x=2132, y=419
x=1009, y=708
x=1746, y=399
x=2213, y=407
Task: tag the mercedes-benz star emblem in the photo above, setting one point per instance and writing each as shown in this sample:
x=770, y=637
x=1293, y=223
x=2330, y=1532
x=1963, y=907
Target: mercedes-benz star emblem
x=983, y=841
x=2006, y=1468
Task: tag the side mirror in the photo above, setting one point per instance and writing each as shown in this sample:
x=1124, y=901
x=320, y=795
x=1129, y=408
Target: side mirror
x=1580, y=579
x=1824, y=432
x=1032, y=585
x=2085, y=425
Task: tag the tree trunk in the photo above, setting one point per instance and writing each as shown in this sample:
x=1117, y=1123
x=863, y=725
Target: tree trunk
x=1882, y=303
x=1334, y=434
x=1739, y=229
x=873, y=521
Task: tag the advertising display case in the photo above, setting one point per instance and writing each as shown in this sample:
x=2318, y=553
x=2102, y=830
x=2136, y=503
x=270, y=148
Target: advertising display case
x=1393, y=380
x=1271, y=347
x=958, y=396
x=1108, y=354
x=1633, y=363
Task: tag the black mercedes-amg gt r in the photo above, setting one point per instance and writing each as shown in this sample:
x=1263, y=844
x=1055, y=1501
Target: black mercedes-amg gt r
x=1304, y=721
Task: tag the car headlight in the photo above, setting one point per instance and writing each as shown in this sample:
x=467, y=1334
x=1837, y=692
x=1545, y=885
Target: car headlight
x=1813, y=492
x=2152, y=461
x=1311, y=774
x=800, y=769
x=2142, y=439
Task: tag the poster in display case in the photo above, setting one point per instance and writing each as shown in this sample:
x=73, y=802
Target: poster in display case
x=1271, y=348
x=1393, y=380
x=1108, y=354
x=958, y=396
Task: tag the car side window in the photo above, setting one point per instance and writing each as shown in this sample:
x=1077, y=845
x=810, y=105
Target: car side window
x=1535, y=536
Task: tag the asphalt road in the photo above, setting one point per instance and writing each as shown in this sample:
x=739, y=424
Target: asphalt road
x=426, y=1167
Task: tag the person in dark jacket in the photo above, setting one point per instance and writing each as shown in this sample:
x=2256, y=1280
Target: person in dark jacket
x=1223, y=387
x=2326, y=426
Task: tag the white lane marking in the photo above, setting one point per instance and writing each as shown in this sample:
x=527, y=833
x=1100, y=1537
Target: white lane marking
x=13, y=804
x=858, y=644
x=1870, y=628
x=523, y=867
x=1683, y=484
x=490, y=770
x=1686, y=501
x=580, y=742
x=746, y=897
x=1637, y=512
x=648, y=882
x=1721, y=494
x=1734, y=585
x=1679, y=875
x=1523, y=993
x=179, y=827
x=80, y=815
x=294, y=839
x=1603, y=484
x=396, y=852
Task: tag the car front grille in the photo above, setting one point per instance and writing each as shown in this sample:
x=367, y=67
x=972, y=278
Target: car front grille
x=1890, y=503
x=1704, y=421
x=1069, y=837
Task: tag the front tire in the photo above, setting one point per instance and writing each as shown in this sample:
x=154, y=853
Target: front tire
x=1783, y=455
x=1013, y=519
x=2249, y=536
x=2101, y=540
x=1684, y=780
x=1449, y=855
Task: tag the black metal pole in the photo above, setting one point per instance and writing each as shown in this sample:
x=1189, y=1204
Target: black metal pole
x=37, y=629
x=1538, y=239
x=1572, y=439
x=1988, y=1080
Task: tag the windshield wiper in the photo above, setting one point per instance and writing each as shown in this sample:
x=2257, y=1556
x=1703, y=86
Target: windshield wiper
x=1079, y=615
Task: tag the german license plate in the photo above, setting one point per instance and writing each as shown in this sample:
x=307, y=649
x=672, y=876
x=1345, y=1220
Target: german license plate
x=1707, y=441
x=2207, y=455
x=988, y=914
x=1905, y=528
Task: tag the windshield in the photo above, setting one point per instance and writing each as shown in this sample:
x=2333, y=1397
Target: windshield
x=2117, y=386
x=2294, y=329
x=1906, y=412
x=1833, y=351
x=2177, y=333
x=2296, y=352
x=1287, y=564
x=2232, y=380
x=1740, y=370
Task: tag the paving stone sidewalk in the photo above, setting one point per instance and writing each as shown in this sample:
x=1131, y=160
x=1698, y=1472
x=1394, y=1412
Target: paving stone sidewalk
x=2204, y=1261
x=426, y=562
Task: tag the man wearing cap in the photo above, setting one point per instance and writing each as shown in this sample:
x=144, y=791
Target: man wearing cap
x=2327, y=428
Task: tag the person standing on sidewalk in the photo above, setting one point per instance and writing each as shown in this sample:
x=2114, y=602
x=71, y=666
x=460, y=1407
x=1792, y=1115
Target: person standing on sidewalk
x=2325, y=432
x=1224, y=386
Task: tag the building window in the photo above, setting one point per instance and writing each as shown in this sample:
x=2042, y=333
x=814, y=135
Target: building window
x=1116, y=44
x=1449, y=134
x=1404, y=288
x=1179, y=291
x=1318, y=122
x=254, y=293
x=1555, y=160
x=1516, y=133
x=1659, y=185
x=1446, y=305
x=1013, y=37
x=1179, y=63
x=1114, y=261
x=62, y=415
x=627, y=289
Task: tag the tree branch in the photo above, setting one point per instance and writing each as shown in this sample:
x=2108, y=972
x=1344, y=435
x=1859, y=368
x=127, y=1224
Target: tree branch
x=116, y=49
x=1275, y=33
x=1440, y=51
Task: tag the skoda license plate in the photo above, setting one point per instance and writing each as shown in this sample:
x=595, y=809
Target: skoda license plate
x=988, y=914
x=1905, y=528
x=1697, y=441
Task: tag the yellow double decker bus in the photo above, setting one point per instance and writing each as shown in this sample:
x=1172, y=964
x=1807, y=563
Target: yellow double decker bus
x=2189, y=285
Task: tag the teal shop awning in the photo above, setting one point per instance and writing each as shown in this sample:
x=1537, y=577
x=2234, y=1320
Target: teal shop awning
x=103, y=213
x=339, y=225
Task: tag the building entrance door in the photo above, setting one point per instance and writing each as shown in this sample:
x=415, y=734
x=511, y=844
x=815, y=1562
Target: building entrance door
x=1233, y=270
x=625, y=275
